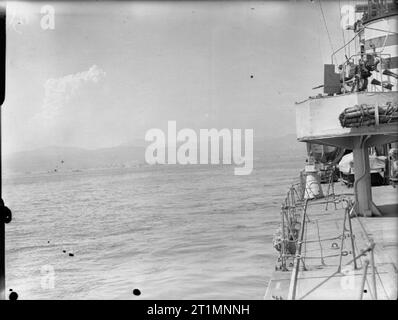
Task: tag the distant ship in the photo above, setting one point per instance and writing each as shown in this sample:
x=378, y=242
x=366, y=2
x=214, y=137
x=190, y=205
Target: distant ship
x=335, y=242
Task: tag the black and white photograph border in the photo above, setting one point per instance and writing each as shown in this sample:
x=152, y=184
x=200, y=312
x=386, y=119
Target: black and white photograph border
x=209, y=151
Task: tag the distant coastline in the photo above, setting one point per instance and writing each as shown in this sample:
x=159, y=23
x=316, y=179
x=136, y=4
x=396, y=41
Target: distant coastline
x=70, y=159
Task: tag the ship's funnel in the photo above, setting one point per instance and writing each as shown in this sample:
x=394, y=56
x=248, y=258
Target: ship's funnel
x=390, y=73
x=385, y=85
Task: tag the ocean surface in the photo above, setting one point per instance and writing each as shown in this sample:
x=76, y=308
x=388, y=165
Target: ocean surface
x=173, y=232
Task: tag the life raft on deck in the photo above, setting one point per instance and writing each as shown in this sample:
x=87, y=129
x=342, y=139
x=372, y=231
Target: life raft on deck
x=368, y=115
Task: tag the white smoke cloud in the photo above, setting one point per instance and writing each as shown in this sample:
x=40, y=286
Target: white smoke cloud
x=59, y=91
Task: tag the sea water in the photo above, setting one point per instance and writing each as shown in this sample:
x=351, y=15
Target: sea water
x=172, y=231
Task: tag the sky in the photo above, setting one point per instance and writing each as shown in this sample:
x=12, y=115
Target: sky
x=108, y=72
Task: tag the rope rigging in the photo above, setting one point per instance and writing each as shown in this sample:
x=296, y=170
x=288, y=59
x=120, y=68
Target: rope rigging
x=342, y=31
x=326, y=26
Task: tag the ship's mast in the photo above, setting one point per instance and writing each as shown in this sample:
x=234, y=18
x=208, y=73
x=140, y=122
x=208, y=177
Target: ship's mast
x=366, y=80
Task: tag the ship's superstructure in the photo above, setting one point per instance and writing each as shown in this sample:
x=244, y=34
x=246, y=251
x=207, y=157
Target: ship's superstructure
x=326, y=231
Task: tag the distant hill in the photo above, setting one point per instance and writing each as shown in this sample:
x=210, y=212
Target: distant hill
x=70, y=158
x=67, y=158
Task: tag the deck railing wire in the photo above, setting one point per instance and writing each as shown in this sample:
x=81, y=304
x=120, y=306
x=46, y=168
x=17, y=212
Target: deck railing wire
x=299, y=258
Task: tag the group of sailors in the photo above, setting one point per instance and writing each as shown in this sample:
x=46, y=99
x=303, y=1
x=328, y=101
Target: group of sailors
x=354, y=75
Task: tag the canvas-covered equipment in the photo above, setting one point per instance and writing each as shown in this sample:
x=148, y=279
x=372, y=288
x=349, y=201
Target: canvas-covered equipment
x=368, y=115
x=377, y=163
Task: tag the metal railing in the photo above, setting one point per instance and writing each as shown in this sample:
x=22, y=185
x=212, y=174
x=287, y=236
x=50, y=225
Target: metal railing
x=299, y=258
x=296, y=202
x=293, y=282
x=289, y=219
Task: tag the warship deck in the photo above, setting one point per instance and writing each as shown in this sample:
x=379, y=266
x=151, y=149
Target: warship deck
x=319, y=275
